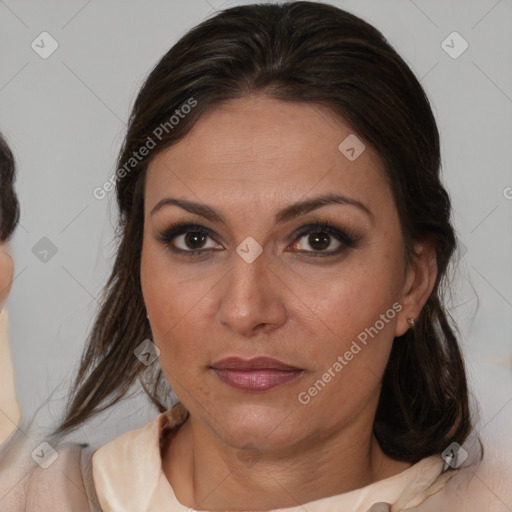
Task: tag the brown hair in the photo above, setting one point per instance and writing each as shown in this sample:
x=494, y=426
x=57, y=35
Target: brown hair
x=9, y=207
x=300, y=52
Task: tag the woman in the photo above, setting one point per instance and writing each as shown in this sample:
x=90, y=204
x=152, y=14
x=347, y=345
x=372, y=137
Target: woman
x=284, y=239
x=10, y=413
x=33, y=476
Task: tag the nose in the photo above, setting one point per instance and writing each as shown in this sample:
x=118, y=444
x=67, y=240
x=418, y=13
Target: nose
x=252, y=297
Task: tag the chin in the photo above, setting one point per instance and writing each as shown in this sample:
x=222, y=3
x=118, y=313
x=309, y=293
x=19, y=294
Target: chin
x=260, y=425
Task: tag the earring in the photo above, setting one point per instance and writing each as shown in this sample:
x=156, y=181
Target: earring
x=411, y=321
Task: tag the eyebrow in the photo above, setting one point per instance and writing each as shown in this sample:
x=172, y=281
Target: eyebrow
x=289, y=212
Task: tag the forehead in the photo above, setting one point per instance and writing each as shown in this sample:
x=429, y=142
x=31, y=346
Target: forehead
x=259, y=148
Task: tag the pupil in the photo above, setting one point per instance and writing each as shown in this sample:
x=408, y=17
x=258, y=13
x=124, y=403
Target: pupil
x=192, y=238
x=315, y=240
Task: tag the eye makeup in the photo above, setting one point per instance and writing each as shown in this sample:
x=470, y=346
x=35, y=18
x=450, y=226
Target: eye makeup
x=347, y=238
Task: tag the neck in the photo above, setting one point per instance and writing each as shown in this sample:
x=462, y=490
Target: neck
x=277, y=478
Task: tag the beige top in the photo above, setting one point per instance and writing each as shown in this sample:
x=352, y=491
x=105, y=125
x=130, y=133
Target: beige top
x=128, y=476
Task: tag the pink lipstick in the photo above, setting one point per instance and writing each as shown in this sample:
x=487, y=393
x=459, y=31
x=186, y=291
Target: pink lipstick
x=258, y=374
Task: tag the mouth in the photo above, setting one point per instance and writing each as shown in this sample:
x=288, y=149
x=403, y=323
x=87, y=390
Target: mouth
x=258, y=374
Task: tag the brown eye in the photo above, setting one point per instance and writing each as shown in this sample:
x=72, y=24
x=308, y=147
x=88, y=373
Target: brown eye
x=318, y=242
x=186, y=238
x=323, y=240
x=194, y=240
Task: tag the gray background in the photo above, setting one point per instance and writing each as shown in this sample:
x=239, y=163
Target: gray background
x=65, y=116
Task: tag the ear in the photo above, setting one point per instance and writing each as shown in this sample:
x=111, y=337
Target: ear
x=420, y=278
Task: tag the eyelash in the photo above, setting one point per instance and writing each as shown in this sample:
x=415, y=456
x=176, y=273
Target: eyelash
x=347, y=238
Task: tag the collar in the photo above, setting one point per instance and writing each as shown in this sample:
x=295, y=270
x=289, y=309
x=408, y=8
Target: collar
x=127, y=471
x=128, y=476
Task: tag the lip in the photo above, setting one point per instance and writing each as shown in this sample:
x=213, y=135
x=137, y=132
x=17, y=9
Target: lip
x=256, y=363
x=257, y=374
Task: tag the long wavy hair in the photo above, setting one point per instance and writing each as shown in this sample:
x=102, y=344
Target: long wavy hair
x=299, y=52
x=9, y=206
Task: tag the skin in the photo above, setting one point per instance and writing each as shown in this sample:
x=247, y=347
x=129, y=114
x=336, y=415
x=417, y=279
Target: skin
x=10, y=414
x=6, y=273
x=249, y=158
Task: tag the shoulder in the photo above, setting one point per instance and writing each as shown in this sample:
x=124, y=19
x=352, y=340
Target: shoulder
x=66, y=483
x=483, y=484
x=46, y=478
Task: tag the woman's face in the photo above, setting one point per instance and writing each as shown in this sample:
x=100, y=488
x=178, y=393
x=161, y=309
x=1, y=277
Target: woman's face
x=325, y=304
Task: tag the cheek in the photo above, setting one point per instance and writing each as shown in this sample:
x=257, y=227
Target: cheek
x=175, y=304
x=352, y=345
x=355, y=316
